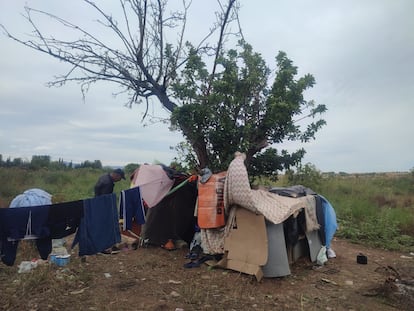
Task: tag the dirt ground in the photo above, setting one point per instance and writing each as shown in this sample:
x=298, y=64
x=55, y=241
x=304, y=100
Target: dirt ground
x=155, y=279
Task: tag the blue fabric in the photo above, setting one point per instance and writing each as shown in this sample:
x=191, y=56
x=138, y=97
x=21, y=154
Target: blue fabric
x=64, y=218
x=320, y=215
x=330, y=220
x=14, y=222
x=32, y=197
x=15, y=226
x=99, y=227
x=9, y=250
x=131, y=207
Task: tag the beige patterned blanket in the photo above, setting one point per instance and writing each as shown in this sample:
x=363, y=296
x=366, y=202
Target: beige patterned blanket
x=273, y=207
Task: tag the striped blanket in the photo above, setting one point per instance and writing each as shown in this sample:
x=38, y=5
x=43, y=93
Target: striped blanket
x=273, y=207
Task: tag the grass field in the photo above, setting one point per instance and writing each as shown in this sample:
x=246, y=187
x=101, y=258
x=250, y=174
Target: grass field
x=372, y=209
x=377, y=209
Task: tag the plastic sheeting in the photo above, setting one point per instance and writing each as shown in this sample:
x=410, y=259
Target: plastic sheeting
x=330, y=221
x=32, y=197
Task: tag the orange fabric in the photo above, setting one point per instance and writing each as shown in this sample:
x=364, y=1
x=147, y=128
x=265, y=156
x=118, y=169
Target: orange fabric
x=210, y=210
x=136, y=229
x=169, y=245
x=192, y=178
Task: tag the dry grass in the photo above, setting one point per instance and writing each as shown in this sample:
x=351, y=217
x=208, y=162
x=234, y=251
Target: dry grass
x=154, y=279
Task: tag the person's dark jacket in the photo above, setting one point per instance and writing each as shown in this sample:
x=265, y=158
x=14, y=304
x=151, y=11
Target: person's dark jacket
x=104, y=185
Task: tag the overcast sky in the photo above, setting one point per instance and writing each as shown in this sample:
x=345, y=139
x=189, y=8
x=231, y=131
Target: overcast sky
x=361, y=54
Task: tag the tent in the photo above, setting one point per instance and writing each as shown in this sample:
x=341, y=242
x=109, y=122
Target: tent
x=154, y=181
x=173, y=217
x=169, y=198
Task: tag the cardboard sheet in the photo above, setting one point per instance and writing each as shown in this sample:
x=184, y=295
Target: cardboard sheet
x=246, y=244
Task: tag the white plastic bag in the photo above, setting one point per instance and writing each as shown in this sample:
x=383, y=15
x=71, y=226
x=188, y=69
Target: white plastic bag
x=321, y=258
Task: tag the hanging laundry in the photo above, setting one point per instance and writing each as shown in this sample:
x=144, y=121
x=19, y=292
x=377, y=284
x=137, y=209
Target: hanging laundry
x=64, y=218
x=99, y=228
x=131, y=208
x=24, y=223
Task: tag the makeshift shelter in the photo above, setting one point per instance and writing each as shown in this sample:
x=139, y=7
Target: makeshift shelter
x=265, y=231
x=154, y=181
x=258, y=232
x=172, y=218
x=169, y=198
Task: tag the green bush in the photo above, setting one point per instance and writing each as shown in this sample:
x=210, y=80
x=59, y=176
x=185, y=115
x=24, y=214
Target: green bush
x=307, y=175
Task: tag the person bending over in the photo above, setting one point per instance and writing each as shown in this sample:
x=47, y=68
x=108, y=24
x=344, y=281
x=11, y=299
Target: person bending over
x=106, y=183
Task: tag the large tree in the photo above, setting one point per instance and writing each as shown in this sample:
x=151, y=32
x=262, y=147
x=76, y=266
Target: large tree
x=242, y=109
x=229, y=105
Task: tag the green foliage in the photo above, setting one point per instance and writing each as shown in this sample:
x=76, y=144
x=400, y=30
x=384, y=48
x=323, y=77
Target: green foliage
x=186, y=158
x=65, y=185
x=270, y=162
x=373, y=209
x=237, y=110
x=377, y=231
x=307, y=175
x=40, y=161
x=130, y=168
x=95, y=164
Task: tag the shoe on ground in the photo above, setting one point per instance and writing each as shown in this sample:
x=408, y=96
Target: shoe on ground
x=115, y=250
x=330, y=253
x=111, y=251
x=106, y=251
x=169, y=245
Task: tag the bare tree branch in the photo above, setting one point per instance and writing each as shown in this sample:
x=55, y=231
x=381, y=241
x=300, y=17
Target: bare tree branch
x=143, y=61
x=223, y=22
x=141, y=68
